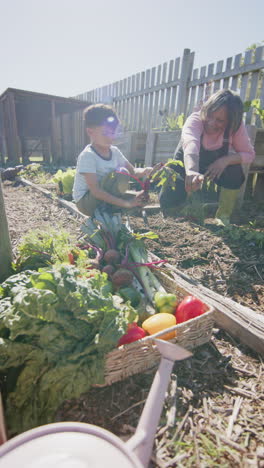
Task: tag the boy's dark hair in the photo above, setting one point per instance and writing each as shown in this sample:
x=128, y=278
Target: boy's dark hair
x=100, y=114
x=233, y=104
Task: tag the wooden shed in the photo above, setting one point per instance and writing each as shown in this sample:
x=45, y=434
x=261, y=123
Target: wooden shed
x=35, y=123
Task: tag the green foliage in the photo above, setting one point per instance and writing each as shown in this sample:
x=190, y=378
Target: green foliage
x=65, y=180
x=237, y=234
x=170, y=122
x=35, y=173
x=254, y=46
x=166, y=176
x=255, y=105
x=40, y=248
x=55, y=330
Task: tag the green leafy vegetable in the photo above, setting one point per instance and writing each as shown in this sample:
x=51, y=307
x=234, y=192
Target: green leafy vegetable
x=55, y=331
x=65, y=180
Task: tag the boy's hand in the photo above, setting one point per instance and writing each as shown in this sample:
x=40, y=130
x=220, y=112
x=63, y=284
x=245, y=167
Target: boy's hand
x=140, y=199
x=143, y=171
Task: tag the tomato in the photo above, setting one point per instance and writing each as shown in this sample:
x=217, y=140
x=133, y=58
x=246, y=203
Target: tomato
x=159, y=322
x=190, y=308
x=134, y=333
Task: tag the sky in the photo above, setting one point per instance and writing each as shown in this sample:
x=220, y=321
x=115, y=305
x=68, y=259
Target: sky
x=68, y=47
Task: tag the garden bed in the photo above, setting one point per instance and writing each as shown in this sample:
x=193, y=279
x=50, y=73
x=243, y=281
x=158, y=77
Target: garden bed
x=219, y=397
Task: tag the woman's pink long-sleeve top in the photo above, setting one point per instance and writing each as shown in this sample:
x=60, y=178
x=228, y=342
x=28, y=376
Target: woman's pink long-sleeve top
x=193, y=129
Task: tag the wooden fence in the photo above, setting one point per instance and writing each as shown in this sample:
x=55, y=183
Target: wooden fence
x=177, y=87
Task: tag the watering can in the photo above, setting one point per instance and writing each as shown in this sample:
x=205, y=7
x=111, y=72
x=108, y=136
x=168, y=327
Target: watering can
x=81, y=445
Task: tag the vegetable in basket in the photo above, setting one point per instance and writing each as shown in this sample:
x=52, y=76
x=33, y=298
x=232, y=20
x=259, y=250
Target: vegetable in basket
x=165, y=302
x=189, y=308
x=134, y=333
x=124, y=251
x=159, y=322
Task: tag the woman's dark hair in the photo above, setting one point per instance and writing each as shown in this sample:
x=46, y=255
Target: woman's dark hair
x=233, y=104
x=100, y=114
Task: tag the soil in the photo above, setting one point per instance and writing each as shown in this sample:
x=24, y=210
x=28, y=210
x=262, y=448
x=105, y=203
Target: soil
x=220, y=390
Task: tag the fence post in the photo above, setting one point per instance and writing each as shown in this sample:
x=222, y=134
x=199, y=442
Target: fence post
x=183, y=89
x=150, y=147
x=5, y=244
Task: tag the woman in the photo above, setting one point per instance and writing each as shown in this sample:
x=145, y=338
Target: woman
x=214, y=144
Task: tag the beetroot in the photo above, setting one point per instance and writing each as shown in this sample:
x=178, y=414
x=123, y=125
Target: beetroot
x=109, y=270
x=112, y=257
x=122, y=277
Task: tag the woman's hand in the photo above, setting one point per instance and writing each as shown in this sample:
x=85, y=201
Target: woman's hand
x=215, y=169
x=193, y=181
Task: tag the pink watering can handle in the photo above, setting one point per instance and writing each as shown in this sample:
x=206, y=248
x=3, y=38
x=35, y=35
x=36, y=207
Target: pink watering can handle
x=141, y=442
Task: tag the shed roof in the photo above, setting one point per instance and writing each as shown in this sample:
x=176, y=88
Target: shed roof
x=63, y=104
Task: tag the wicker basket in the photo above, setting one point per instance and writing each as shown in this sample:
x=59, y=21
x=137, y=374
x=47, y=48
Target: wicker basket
x=142, y=355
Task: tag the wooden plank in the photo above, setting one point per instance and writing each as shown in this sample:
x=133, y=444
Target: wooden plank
x=186, y=73
x=132, y=108
x=136, y=117
x=200, y=94
x=161, y=101
x=45, y=142
x=155, y=118
x=11, y=133
x=151, y=99
x=193, y=93
x=5, y=243
x=237, y=63
x=54, y=134
x=128, y=105
x=245, y=76
x=217, y=82
x=145, y=112
x=174, y=87
x=239, y=321
x=254, y=85
x=141, y=100
x=168, y=91
x=150, y=148
x=227, y=70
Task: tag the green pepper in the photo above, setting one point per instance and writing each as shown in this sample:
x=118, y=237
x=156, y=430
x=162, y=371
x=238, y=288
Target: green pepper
x=165, y=302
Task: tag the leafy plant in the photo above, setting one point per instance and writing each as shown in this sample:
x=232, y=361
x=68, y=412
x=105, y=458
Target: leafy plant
x=65, y=180
x=167, y=176
x=34, y=172
x=245, y=234
x=40, y=248
x=55, y=331
x=255, y=105
x=171, y=122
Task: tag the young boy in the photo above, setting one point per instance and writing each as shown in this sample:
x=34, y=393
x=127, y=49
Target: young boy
x=96, y=179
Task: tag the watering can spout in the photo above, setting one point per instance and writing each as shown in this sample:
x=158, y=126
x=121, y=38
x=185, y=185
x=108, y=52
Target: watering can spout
x=142, y=441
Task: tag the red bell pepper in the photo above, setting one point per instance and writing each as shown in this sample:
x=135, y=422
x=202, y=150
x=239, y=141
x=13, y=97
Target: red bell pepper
x=134, y=333
x=189, y=308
